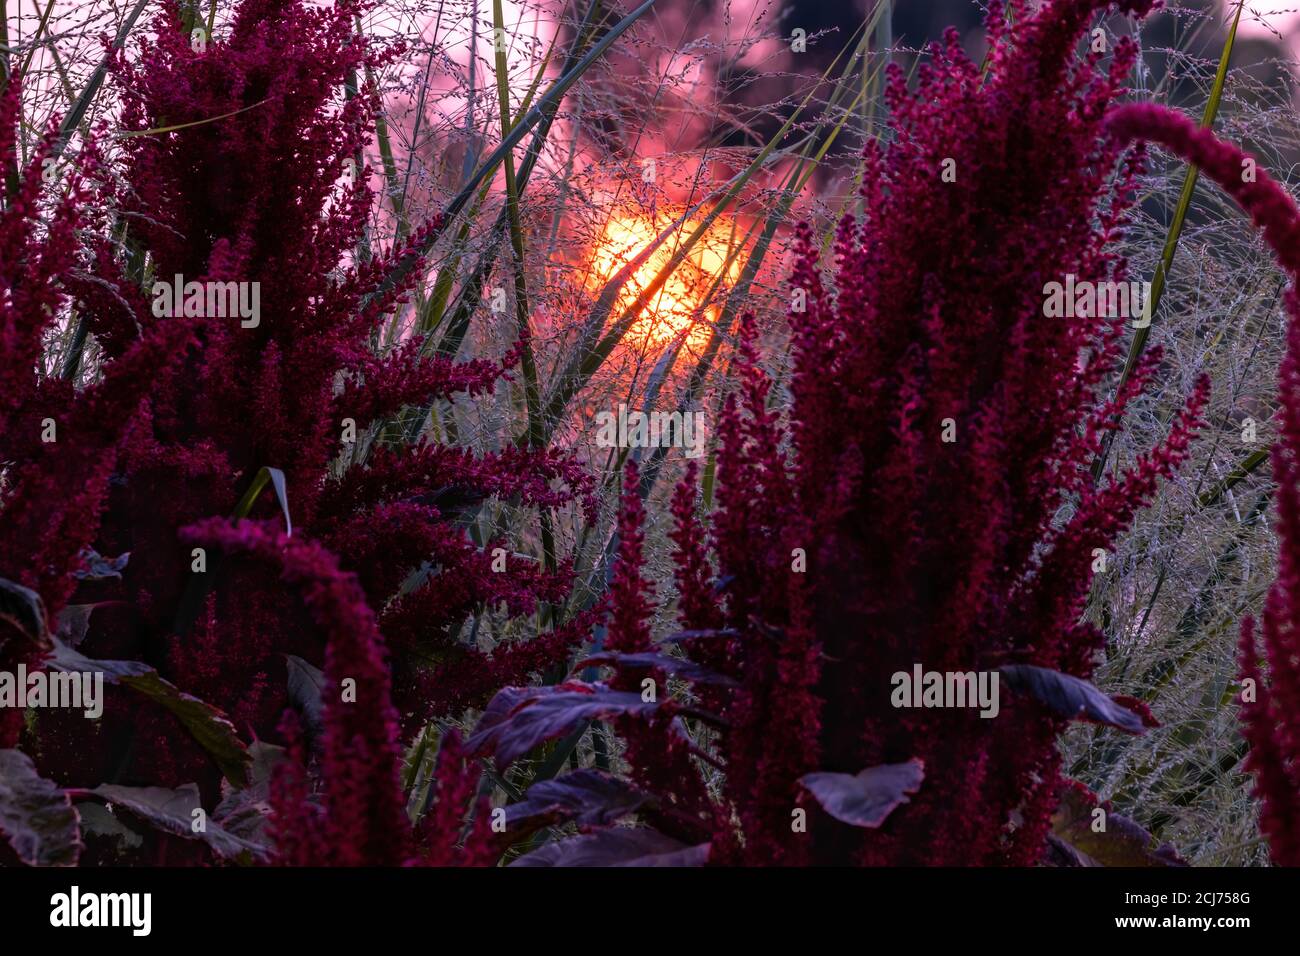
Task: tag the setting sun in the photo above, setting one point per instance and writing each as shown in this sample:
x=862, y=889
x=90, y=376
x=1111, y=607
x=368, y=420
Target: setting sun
x=684, y=300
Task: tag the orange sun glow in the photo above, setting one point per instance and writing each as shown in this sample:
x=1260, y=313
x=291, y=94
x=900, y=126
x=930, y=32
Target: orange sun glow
x=684, y=301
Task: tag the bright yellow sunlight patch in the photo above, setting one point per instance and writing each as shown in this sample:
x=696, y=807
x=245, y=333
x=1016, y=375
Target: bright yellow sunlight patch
x=684, y=301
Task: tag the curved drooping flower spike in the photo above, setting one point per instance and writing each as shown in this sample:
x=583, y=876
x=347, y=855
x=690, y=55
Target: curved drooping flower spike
x=1272, y=714
x=1270, y=206
x=363, y=820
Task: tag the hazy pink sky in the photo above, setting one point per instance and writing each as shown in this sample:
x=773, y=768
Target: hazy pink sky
x=1272, y=18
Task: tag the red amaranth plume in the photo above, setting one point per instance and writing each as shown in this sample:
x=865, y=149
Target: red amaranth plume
x=631, y=596
x=697, y=604
x=951, y=425
x=940, y=422
x=184, y=410
x=762, y=538
x=363, y=820
x=658, y=752
x=59, y=446
x=260, y=199
x=1272, y=719
x=443, y=837
x=931, y=502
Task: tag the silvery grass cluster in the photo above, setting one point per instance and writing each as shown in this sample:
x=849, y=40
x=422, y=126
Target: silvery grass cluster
x=1203, y=555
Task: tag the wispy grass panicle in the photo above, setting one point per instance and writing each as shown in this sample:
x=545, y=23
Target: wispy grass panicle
x=1270, y=697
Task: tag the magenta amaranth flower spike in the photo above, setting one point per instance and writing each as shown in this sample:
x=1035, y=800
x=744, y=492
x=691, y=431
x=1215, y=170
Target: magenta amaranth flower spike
x=58, y=446
x=941, y=425
x=363, y=819
x=658, y=753
x=267, y=365
x=443, y=836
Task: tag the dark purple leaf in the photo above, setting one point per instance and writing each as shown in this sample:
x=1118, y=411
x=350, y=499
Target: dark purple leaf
x=173, y=811
x=1071, y=697
x=207, y=725
x=246, y=812
x=97, y=821
x=867, y=798
x=73, y=622
x=23, y=608
x=306, y=693
x=1059, y=853
x=497, y=713
x=36, y=815
x=96, y=567
x=648, y=660
x=619, y=846
x=520, y=718
x=1122, y=842
x=586, y=797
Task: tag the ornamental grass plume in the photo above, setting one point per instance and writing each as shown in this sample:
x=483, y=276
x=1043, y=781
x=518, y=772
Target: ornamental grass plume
x=230, y=178
x=930, y=502
x=1270, y=702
